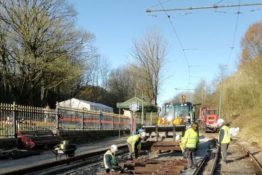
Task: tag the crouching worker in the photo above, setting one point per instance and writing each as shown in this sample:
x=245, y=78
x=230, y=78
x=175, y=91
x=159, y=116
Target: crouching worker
x=134, y=144
x=189, y=144
x=110, y=161
x=64, y=148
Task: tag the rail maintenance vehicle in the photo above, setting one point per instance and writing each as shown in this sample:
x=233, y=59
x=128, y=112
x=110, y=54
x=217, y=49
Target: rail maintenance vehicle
x=208, y=118
x=172, y=123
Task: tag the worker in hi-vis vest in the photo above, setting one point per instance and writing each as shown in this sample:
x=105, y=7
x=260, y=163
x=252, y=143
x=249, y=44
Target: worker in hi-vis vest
x=189, y=145
x=134, y=144
x=223, y=138
x=110, y=161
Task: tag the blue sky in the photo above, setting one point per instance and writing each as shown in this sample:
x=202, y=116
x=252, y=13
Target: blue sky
x=206, y=35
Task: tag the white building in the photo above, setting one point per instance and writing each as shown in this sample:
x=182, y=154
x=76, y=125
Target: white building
x=85, y=105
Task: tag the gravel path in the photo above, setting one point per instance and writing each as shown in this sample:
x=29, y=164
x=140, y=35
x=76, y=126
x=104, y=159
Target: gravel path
x=238, y=162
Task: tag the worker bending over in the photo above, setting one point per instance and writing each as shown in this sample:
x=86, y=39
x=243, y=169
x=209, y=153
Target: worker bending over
x=110, y=161
x=189, y=144
x=134, y=144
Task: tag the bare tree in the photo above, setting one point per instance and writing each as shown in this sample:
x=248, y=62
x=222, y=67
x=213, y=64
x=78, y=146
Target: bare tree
x=149, y=54
x=43, y=49
x=120, y=84
x=200, y=93
x=97, y=71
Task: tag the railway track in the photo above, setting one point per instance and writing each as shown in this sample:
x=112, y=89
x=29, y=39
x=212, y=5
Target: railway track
x=54, y=167
x=256, y=162
x=163, y=163
x=166, y=163
x=211, y=158
x=239, y=161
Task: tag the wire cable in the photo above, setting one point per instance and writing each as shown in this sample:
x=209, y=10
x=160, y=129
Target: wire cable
x=156, y=5
x=218, y=2
x=203, y=7
x=234, y=35
x=178, y=39
x=215, y=6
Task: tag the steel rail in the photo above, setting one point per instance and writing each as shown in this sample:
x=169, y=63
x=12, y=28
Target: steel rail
x=202, y=165
x=256, y=162
x=215, y=162
x=63, y=169
x=56, y=163
x=204, y=161
x=253, y=158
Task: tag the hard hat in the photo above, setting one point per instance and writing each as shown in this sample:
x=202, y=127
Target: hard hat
x=220, y=121
x=143, y=134
x=113, y=148
x=140, y=131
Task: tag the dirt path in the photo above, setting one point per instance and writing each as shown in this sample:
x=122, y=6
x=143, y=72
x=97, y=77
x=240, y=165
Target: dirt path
x=238, y=161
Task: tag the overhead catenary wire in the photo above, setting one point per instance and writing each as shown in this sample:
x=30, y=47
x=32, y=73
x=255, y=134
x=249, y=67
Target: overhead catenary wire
x=218, y=2
x=157, y=4
x=234, y=35
x=215, y=6
x=229, y=57
x=197, y=49
x=178, y=39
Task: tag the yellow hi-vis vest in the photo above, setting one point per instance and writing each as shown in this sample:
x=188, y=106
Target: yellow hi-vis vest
x=132, y=141
x=226, y=138
x=112, y=160
x=190, y=139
